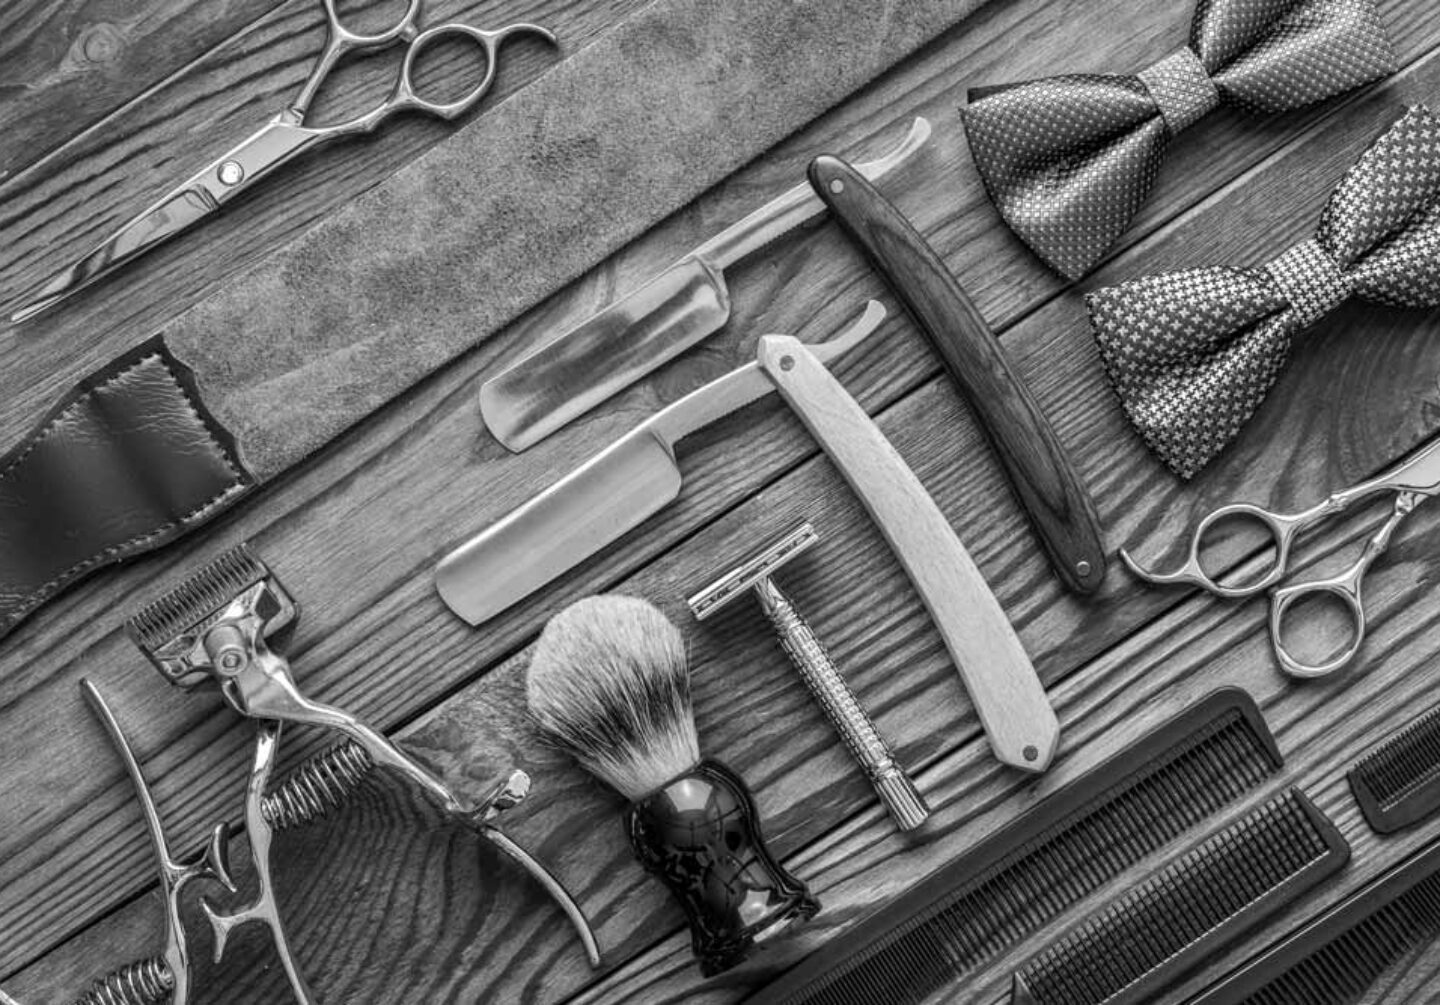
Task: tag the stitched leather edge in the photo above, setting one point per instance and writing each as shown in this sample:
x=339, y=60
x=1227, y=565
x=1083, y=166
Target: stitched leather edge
x=220, y=438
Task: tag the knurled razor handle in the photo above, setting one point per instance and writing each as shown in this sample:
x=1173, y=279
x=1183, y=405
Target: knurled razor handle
x=894, y=787
x=1003, y=686
x=1044, y=480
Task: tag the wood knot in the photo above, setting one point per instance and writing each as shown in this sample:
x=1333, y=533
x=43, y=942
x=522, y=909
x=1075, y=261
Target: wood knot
x=99, y=43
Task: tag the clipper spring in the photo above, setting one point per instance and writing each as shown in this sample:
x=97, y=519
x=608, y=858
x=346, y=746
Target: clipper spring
x=319, y=786
x=147, y=982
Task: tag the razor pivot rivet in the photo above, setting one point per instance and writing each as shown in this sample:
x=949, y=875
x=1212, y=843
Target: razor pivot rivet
x=894, y=787
x=1082, y=567
x=231, y=173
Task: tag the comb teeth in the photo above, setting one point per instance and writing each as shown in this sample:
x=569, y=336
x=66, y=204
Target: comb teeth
x=1398, y=782
x=1022, y=877
x=195, y=599
x=1191, y=907
x=1339, y=955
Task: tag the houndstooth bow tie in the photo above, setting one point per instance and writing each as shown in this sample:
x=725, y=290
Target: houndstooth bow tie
x=1069, y=160
x=1192, y=354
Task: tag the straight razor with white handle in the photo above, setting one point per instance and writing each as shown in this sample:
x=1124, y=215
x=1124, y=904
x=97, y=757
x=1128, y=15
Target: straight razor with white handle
x=993, y=665
x=599, y=502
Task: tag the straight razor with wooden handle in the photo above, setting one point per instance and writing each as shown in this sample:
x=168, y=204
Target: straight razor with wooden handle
x=1003, y=685
x=1045, y=482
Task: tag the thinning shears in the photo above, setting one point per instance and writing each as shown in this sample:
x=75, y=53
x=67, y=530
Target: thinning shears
x=284, y=138
x=1412, y=482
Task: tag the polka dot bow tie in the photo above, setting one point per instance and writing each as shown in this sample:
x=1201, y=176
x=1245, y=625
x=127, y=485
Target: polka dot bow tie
x=1069, y=160
x=1192, y=354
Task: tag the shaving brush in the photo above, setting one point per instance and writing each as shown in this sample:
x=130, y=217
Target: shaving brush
x=610, y=685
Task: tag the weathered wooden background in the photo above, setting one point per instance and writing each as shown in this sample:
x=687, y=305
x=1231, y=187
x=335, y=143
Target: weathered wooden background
x=102, y=104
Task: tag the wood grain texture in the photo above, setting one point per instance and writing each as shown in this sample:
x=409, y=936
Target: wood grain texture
x=69, y=63
x=419, y=475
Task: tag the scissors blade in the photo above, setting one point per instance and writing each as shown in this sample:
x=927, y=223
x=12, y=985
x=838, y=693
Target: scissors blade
x=179, y=210
x=254, y=158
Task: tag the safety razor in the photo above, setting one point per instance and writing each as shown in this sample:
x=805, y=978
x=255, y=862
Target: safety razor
x=819, y=672
x=216, y=629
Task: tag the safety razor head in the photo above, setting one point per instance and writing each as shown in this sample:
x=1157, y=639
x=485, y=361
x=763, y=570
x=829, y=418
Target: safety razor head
x=236, y=586
x=738, y=581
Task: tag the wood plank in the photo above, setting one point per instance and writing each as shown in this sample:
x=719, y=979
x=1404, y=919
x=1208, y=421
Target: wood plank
x=1079, y=402
x=69, y=64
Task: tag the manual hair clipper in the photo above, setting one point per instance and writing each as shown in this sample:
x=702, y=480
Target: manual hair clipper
x=215, y=628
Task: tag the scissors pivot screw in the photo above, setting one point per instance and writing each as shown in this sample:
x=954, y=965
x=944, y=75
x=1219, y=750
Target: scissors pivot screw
x=231, y=173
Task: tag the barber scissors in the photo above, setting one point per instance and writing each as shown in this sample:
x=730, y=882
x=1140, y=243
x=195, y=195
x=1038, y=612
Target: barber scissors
x=1412, y=482
x=281, y=140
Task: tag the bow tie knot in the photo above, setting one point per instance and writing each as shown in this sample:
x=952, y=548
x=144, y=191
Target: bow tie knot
x=1181, y=88
x=1311, y=281
x=1069, y=160
x=1192, y=354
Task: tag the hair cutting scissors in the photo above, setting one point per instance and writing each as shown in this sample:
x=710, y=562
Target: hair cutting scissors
x=284, y=138
x=1412, y=481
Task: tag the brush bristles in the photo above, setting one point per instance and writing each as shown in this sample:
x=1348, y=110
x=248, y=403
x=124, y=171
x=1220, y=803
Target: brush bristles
x=609, y=684
x=199, y=596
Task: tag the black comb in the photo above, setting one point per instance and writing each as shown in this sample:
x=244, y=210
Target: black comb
x=1194, y=905
x=1074, y=842
x=1398, y=783
x=1335, y=958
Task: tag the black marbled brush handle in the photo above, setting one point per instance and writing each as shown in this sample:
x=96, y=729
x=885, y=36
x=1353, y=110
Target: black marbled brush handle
x=700, y=835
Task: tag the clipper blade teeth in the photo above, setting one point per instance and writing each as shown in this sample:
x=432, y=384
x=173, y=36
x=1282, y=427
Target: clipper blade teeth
x=195, y=599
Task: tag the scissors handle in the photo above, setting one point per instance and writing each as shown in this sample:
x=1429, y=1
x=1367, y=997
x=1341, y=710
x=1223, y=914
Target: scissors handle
x=1281, y=528
x=340, y=40
x=404, y=96
x=1345, y=588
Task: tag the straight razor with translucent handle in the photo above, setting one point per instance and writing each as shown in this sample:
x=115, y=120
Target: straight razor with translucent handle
x=601, y=356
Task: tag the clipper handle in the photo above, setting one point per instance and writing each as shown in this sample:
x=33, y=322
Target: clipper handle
x=894, y=787
x=700, y=835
